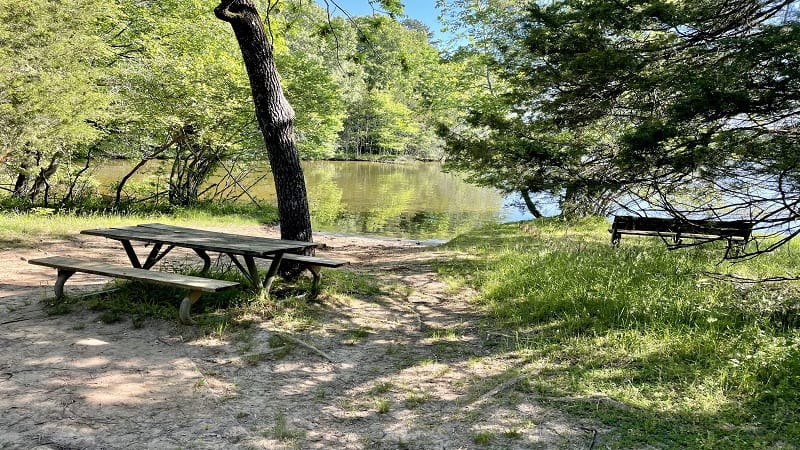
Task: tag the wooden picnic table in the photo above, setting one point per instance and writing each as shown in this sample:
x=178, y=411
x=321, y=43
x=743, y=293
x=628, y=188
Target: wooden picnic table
x=164, y=238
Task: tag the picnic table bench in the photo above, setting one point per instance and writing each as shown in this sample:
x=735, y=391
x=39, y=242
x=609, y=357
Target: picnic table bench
x=195, y=285
x=313, y=264
x=736, y=232
x=164, y=238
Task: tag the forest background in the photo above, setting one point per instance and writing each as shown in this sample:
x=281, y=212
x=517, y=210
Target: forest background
x=144, y=80
x=681, y=108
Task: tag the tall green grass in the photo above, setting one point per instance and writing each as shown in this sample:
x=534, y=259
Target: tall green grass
x=698, y=362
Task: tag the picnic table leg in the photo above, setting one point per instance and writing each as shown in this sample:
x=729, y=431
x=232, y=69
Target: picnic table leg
x=131, y=253
x=63, y=276
x=154, y=256
x=186, y=305
x=734, y=249
x=272, y=271
x=253, y=270
x=245, y=271
x=206, y=259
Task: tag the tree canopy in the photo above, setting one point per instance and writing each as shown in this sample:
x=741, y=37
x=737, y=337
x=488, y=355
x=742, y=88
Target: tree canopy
x=656, y=98
x=146, y=80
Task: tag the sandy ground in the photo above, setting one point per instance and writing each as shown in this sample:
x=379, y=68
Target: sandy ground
x=410, y=368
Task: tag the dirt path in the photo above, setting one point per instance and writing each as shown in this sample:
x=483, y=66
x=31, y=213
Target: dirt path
x=409, y=368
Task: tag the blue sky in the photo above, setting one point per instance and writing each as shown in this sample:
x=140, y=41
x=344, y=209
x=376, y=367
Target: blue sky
x=424, y=10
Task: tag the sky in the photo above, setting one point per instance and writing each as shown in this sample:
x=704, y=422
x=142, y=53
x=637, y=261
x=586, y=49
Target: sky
x=423, y=10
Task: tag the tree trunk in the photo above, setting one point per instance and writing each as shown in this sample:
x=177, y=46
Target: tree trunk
x=526, y=196
x=21, y=185
x=275, y=116
x=42, y=180
x=158, y=151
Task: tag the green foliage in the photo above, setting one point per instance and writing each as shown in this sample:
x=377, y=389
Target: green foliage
x=54, y=59
x=404, y=95
x=657, y=331
x=681, y=91
x=316, y=97
x=186, y=94
x=381, y=124
x=147, y=80
x=591, y=96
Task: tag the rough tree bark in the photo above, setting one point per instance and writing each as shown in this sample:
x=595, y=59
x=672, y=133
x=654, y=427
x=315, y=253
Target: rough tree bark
x=275, y=116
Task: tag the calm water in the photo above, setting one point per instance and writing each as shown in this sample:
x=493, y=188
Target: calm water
x=403, y=200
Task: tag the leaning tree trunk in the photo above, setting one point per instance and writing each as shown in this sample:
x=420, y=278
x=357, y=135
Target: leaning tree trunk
x=275, y=116
x=526, y=196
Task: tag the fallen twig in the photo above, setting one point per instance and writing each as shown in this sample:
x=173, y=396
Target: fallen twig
x=20, y=320
x=294, y=340
x=499, y=388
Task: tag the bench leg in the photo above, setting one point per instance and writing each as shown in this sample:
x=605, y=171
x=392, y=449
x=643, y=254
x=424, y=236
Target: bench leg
x=272, y=271
x=316, y=272
x=734, y=248
x=186, y=304
x=63, y=276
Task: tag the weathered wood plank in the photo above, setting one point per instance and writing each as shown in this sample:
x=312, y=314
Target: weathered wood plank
x=200, y=239
x=313, y=264
x=315, y=260
x=205, y=233
x=132, y=273
x=641, y=225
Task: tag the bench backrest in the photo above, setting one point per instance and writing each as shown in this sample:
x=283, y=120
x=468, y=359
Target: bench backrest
x=738, y=228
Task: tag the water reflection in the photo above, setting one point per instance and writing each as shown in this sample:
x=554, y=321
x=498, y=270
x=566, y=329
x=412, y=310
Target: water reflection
x=407, y=200
x=403, y=200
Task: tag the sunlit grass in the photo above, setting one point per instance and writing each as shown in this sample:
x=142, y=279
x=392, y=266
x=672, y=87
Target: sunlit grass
x=24, y=228
x=697, y=361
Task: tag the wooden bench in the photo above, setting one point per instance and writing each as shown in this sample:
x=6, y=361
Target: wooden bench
x=736, y=232
x=196, y=285
x=314, y=264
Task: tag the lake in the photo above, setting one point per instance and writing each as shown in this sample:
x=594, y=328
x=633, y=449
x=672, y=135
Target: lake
x=411, y=200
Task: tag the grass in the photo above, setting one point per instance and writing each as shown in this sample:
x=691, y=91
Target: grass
x=483, y=438
x=695, y=361
x=282, y=431
x=383, y=405
x=417, y=398
x=25, y=228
